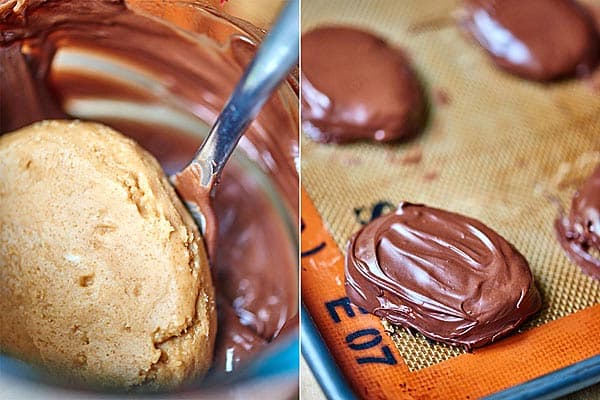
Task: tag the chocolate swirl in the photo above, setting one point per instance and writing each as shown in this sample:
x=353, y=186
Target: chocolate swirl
x=579, y=233
x=448, y=276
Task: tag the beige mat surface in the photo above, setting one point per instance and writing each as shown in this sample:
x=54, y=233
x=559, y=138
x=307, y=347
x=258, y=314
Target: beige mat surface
x=494, y=151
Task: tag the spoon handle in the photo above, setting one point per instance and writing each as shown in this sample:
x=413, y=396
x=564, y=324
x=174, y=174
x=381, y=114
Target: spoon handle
x=275, y=58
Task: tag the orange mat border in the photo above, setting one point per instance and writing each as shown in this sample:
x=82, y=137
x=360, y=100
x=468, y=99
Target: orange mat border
x=358, y=342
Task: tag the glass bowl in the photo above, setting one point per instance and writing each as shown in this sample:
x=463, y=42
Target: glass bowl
x=166, y=96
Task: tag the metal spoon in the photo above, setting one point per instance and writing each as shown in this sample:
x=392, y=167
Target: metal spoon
x=276, y=56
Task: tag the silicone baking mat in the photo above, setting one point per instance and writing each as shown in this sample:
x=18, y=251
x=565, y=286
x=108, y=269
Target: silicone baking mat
x=496, y=148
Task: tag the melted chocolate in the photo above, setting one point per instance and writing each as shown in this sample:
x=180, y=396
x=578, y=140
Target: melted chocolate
x=355, y=86
x=536, y=39
x=579, y=233
x=446, y=275
x=255, y=268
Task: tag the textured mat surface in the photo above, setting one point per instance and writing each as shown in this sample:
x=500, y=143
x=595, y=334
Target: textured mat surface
x=495, y=148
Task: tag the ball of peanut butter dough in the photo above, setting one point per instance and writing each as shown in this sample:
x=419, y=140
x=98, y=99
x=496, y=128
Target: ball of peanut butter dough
x=104, y=277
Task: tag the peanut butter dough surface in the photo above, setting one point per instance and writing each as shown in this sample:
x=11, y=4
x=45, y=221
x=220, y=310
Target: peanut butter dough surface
x=103, y=274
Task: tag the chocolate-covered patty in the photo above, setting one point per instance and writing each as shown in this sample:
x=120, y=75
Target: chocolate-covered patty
x=446, y=275
x=579, y=233
x=355, y=86
x=535, y=39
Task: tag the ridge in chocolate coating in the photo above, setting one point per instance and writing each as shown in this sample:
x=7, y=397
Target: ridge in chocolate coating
x=355, y=87
x=579, y=232
x=448, y=276
x=539, y=40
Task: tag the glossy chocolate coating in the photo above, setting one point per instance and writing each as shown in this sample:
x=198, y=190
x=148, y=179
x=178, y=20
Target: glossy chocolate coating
x=579, y=233
x=539, y=40
x=355, y=86
x=446, y=275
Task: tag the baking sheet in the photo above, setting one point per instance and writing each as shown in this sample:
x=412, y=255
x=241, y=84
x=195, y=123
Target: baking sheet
x=496, y=148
